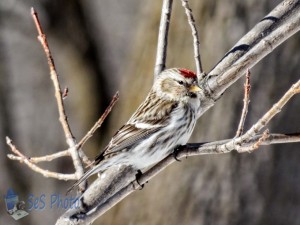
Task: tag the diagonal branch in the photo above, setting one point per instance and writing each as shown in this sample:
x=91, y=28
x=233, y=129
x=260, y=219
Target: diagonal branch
x=99, y=122
x=280, y=24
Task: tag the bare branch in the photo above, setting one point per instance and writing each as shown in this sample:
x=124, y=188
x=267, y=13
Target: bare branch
x=49, y=158
x=58, y=95
x=161, y=54
x=256, y=145
x=46, y=173
x=280, y=24
x=246, y=101
x=266, y=118
x=191, y=20
x=54, y=76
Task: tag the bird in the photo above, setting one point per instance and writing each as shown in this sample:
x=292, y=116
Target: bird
x=163, y=121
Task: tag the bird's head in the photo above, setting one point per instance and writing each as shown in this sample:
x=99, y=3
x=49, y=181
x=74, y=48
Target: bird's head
x=177, y=85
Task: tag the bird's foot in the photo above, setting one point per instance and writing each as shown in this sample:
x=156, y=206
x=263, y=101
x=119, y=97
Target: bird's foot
x=137, y=177
x=176, y=151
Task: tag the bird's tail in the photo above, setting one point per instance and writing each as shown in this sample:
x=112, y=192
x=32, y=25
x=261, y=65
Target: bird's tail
x=85, y=176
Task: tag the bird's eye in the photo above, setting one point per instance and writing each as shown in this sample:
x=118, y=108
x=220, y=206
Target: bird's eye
x=180, y=82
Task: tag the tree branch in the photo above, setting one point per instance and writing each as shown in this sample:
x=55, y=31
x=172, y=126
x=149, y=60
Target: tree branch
x=280, y=24
x=161, y=54
x=191, y=20
x=246, y=102
x=58, y=95
x=98, y=124
x=46, y=158
x=27, y=161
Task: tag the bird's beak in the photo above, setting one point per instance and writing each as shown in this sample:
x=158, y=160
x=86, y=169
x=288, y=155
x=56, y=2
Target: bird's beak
x=194, y=88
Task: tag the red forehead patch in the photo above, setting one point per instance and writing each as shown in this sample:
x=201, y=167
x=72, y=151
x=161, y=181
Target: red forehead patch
x=187, y=73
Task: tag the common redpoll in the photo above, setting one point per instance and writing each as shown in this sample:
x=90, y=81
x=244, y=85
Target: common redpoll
x=162, y=122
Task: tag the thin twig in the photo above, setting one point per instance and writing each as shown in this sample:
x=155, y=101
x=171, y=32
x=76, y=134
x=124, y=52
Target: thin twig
x=161, y=54
x=236, y=143
x=49, y=158
x=54, y=76
x=27, y=161
x=65, y=93
x=246, y=101
x=59, y=99
x=99, y=122
x=275, y=109
x=256, y=145
x=191, y=20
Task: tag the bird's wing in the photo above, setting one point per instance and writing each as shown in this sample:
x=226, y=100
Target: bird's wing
x=139, y=127
x=126, y=136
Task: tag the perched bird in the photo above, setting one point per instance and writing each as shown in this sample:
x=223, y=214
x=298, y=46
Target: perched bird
x=162, y=122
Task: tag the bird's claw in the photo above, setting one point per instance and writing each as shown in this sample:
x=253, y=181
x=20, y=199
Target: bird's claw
x=137, y=177
x=175, y=152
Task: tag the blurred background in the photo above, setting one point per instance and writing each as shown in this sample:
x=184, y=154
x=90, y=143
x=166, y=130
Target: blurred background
x=103, y=46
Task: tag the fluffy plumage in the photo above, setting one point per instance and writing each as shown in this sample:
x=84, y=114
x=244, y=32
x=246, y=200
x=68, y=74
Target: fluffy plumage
x=163, y=121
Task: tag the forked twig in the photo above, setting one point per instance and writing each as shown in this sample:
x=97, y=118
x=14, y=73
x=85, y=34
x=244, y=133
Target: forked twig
x=246, y=102
x=27, y=161
x=256, y=144
x=264, y=120
x=72, y=151
x=58, y=95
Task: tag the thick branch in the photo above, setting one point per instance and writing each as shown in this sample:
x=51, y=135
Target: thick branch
x=270, y=32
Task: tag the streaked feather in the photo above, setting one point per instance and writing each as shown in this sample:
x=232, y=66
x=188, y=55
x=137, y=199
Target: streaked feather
x=133, y=133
